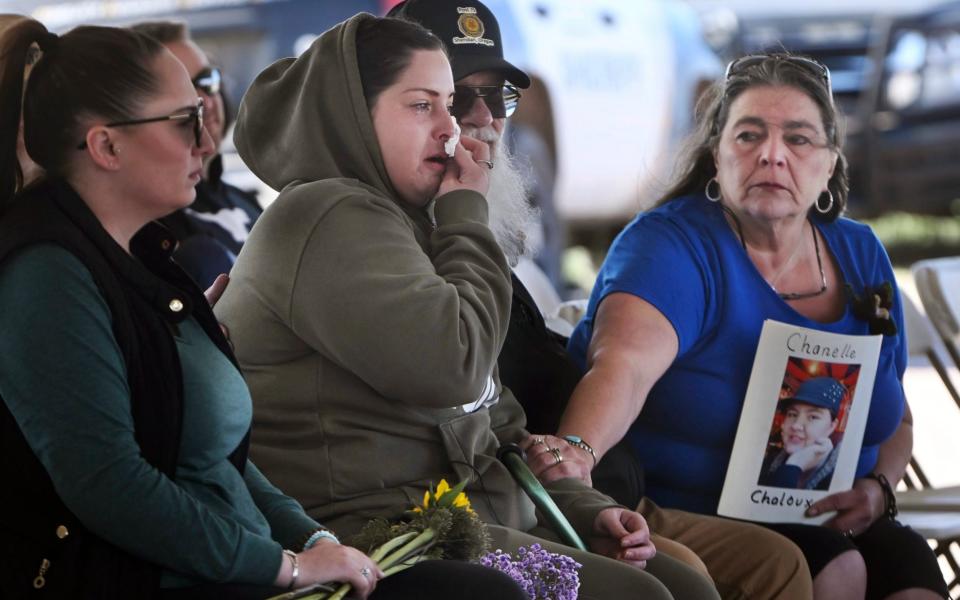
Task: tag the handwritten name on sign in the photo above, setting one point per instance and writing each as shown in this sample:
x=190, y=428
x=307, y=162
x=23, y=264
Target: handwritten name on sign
x=799, y=343
x=761, y=496
x=816, y=370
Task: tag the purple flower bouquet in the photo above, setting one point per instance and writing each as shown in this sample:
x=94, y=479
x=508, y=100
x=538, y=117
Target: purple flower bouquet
x=543, y=575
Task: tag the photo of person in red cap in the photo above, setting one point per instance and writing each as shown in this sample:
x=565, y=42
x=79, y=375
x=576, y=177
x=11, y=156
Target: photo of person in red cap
x=806, y=455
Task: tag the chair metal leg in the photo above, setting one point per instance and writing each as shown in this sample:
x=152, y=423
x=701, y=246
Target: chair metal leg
x=953, y=351
x=915, y=478
x=944, y=549
x=943, y=372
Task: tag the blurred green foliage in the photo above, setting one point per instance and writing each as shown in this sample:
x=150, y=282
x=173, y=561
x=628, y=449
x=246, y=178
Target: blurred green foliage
x=909, y=237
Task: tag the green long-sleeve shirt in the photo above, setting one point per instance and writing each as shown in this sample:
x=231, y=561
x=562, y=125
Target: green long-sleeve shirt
x=63, y=378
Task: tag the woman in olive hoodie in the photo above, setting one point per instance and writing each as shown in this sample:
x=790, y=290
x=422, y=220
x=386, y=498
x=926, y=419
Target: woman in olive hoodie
x=124, y=419
x=371, y=300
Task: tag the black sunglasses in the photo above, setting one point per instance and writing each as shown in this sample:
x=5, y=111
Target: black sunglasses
x=812, y=66
x=501, y=100
x=194, y=114
x=208, y=81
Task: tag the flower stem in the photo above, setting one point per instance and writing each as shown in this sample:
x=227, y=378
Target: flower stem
x=423, y=539
x=341, y=592
x=389, y=546
x=403, y=566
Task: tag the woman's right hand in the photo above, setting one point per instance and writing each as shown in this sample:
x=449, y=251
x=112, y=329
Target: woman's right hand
x=469, y=169
x=551, y=458
x=328, y=562
x=811, y=456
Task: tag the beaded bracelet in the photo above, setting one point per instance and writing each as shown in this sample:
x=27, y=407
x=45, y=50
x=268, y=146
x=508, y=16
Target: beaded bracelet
x=318, y=535
x=576, y=440
x=890, y=499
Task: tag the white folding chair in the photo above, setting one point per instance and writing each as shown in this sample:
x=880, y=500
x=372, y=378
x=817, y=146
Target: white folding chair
x=938, y=283
x=566, y=315
x=538, y=284
x=933, y=512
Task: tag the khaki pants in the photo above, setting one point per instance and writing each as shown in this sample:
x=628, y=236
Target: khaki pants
x=603, y=578
x=746, y=561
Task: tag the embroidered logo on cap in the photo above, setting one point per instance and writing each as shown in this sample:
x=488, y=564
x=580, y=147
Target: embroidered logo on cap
x=472, y=27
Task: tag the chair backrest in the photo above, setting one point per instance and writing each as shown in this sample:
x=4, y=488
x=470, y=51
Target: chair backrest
x=938, y=283
x=923, y=340
x=571, y=311
x=538, y=284
x=921, y=336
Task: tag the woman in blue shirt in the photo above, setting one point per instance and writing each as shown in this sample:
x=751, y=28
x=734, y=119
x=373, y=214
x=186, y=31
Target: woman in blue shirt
x=751, y=231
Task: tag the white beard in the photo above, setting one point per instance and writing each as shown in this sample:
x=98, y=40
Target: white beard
x=515, y=222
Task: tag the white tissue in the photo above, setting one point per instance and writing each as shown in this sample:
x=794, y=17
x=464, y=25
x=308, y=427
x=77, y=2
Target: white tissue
x=450, y=146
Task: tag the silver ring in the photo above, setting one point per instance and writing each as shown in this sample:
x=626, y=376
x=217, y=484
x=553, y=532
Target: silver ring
x=556, y=454
x=489, y=163
x=848, y=533
x=365, y=572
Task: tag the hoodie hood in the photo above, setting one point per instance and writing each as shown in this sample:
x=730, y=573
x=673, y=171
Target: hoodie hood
x=305, y=119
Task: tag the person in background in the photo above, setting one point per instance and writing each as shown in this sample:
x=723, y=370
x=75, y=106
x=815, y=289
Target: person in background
x=212, y=229
x=531, y=136
x=533, y=363
x=752, y=230
x=29, y=170
x=369, y=325
x=124, y=420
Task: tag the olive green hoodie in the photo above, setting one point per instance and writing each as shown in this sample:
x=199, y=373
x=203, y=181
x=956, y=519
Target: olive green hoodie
x=368, y=336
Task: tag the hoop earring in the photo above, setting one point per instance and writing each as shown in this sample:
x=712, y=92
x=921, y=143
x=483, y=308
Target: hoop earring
x=825, y=209
x=718, y=195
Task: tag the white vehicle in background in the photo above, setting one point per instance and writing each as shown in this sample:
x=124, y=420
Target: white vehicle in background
x=621, y=79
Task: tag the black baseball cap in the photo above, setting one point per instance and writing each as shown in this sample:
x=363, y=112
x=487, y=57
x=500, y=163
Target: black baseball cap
x=470, y=32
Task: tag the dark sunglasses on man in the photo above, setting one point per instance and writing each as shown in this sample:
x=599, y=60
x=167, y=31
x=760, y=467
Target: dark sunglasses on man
x=208, y=81
x=194, y=115
x=810, y=65
x=501, y=100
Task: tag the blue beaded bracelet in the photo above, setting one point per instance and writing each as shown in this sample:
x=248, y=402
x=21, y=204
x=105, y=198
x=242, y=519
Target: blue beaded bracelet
x=318, y=535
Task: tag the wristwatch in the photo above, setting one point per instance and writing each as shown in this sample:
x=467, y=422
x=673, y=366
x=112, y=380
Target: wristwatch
x=576, y=440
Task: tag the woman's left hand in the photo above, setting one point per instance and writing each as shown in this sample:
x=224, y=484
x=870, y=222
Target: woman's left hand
x=212, y=294
x=216, y=289
x=856, y=509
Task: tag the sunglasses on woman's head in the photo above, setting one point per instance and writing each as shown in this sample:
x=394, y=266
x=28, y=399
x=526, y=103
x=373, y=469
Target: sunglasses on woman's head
x=194, y=114
x=208, y=81
x=810, y=65
x=501, y=100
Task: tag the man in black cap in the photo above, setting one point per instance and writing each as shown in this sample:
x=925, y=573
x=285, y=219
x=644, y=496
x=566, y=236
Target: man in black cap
x=487, y=92
x=533, y=363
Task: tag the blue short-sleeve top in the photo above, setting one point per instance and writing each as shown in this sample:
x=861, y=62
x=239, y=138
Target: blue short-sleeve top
x=685, y=260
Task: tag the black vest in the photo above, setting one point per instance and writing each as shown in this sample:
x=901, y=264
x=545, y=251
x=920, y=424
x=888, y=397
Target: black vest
x=147, y=299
